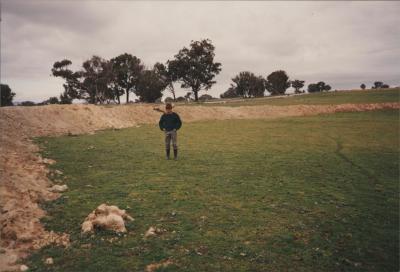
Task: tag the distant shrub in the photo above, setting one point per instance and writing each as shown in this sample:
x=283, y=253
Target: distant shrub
x=230, y=93
x=27, y=103
x=205, y=97
x=380, y=85
x=168, y=99
x=318, y=87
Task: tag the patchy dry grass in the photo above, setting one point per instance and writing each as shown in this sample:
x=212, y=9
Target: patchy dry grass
x=298, y=194
x=324, y=98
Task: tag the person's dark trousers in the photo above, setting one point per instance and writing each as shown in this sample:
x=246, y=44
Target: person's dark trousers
x=171, y=136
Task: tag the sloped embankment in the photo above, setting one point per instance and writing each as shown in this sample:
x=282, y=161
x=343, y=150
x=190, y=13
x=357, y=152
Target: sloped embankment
x=23, y=173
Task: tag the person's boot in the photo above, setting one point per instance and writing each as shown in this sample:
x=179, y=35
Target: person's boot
x=168, y=152
x=175, y=154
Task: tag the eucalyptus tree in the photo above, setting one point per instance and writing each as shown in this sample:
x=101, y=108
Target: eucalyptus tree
x=195, y=67
x=127, y=70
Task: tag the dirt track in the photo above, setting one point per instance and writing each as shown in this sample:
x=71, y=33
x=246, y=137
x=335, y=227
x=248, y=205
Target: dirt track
x=23, y=173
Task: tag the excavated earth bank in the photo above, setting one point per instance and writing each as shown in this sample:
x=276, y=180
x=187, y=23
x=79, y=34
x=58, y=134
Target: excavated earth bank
x=23, y=173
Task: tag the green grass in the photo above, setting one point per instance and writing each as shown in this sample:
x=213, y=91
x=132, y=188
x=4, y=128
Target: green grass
x=297, y=194
x=325, y=98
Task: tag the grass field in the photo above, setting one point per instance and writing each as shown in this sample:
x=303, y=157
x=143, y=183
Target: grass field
x=297, y=194
x=324, y=98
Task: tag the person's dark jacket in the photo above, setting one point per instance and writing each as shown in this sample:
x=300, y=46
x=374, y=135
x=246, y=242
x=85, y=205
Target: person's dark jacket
x=170, y=121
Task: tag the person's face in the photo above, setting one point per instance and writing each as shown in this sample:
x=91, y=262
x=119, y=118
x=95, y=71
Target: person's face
x=168, y=110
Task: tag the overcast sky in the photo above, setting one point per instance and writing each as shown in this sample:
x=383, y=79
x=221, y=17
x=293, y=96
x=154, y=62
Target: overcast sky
x=342, y=43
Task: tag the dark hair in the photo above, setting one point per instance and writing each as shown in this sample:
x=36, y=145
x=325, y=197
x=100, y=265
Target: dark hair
x=168, y=106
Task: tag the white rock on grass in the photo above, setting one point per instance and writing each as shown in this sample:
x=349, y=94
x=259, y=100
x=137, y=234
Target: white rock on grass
x=49, y=261
x=23, y=268
x=106, y=217
x=59, y=188
x=150, y=232
x=48, y=161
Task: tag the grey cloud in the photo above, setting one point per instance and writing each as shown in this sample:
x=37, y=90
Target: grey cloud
x=65, y=15
x=341, y=43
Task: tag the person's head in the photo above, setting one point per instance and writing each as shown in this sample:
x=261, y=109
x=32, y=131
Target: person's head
x=168, y=107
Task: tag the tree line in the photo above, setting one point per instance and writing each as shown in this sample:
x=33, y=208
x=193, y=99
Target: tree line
x=104, y=81
x=377, y=85
x=247, y=84
x=101, y=81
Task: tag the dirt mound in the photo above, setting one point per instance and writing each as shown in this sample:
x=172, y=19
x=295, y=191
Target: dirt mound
x=77, y=119
x=23, y=173
x=106, y=217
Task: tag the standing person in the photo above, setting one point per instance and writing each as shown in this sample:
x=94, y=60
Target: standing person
x=170, y=122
